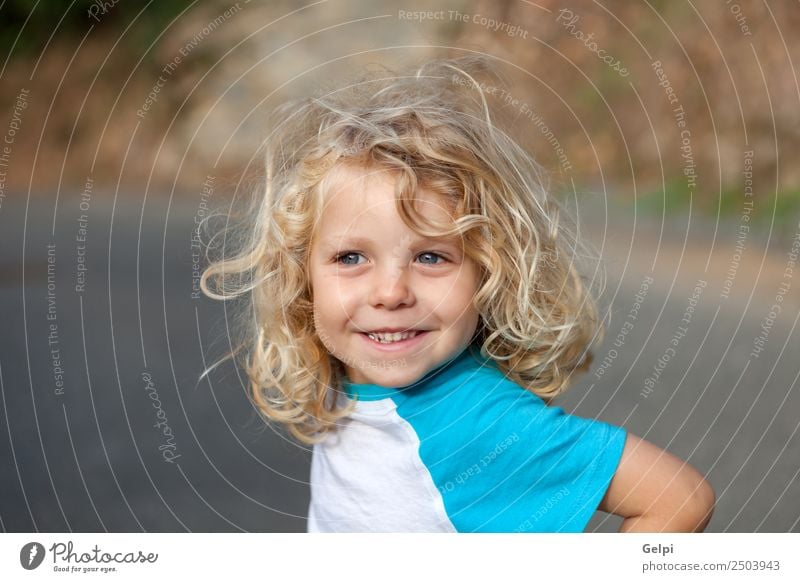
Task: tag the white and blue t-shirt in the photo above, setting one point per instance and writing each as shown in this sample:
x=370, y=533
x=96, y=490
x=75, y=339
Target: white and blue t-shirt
x=462, y=450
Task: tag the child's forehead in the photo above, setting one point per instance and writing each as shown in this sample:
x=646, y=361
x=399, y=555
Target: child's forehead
x=367, y=185
x=349, y=177
x=362, y=201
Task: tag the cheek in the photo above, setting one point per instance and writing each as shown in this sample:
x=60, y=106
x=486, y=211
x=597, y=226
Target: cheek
x=322, y=286
x=464, y=296
x=466, y=286
x=466, y=317
x=334, y=291
x=334, y=304
x=455, y=302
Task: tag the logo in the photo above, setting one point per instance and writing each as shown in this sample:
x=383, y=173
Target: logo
x=31, y=555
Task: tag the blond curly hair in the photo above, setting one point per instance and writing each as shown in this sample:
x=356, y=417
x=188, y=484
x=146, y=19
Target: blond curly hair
x=432, y=129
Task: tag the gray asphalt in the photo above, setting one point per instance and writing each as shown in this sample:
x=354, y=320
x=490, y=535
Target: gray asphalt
x=133, y=441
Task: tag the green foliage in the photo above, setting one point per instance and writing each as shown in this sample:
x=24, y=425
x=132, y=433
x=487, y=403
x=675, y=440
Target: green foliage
x=675, y=199
x=26, y=25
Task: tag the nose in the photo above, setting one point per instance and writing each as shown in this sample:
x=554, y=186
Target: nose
x=391, y=288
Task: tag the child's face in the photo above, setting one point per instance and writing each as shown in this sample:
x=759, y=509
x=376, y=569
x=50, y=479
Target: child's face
x=371, y=273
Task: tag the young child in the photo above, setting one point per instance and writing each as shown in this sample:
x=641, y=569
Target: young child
x=415, y=304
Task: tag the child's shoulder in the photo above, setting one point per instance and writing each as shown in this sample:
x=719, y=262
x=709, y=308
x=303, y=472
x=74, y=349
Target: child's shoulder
x=475, y=403
x=473, y=377
x=484, y=437
x=473, y=393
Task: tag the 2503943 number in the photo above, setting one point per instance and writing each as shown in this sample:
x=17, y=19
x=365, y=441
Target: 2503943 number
x=756, y=565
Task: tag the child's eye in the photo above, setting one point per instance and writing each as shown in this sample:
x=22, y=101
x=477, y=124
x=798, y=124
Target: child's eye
x=349, y=258
x=352, y=258
x=431, y=258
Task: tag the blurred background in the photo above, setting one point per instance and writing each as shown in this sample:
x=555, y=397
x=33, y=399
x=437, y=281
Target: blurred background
x=668, y=130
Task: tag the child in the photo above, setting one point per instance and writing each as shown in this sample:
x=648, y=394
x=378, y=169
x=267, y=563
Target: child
x=415, y=304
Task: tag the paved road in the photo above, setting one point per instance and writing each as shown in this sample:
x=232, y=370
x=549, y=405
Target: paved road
x=106, y=427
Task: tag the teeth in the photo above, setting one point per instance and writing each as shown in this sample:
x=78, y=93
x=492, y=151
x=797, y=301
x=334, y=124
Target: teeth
x=387, y=338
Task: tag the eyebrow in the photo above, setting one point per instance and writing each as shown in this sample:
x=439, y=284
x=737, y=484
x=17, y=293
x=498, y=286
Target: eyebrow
x=337, y=242
x=346, y=241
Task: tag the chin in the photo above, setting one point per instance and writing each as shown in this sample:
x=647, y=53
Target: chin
x=397, y=377
x=390, y=379
x=400, y=381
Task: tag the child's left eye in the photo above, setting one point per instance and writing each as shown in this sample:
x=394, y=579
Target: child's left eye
x=431, y=258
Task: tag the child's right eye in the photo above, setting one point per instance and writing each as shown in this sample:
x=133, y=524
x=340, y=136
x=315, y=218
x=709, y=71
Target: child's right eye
x=348, y=258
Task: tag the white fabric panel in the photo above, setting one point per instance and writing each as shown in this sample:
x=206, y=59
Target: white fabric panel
x=368, y=477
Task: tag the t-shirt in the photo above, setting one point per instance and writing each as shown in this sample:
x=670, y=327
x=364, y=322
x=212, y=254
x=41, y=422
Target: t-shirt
x=462, y=450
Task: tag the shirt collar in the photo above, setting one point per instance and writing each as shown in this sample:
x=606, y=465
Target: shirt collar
x=366, y=392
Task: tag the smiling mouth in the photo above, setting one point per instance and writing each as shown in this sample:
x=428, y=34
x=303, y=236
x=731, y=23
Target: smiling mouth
x=390, y=338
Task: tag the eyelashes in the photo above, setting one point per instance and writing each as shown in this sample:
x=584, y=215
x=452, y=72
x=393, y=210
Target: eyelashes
x=432, y=254
x=348, y=254
x=346, y=257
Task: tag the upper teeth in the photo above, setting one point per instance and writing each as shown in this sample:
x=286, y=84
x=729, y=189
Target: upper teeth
x=386, y=338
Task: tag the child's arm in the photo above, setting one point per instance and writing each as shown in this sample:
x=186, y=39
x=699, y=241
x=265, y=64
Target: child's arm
x=657, y=492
